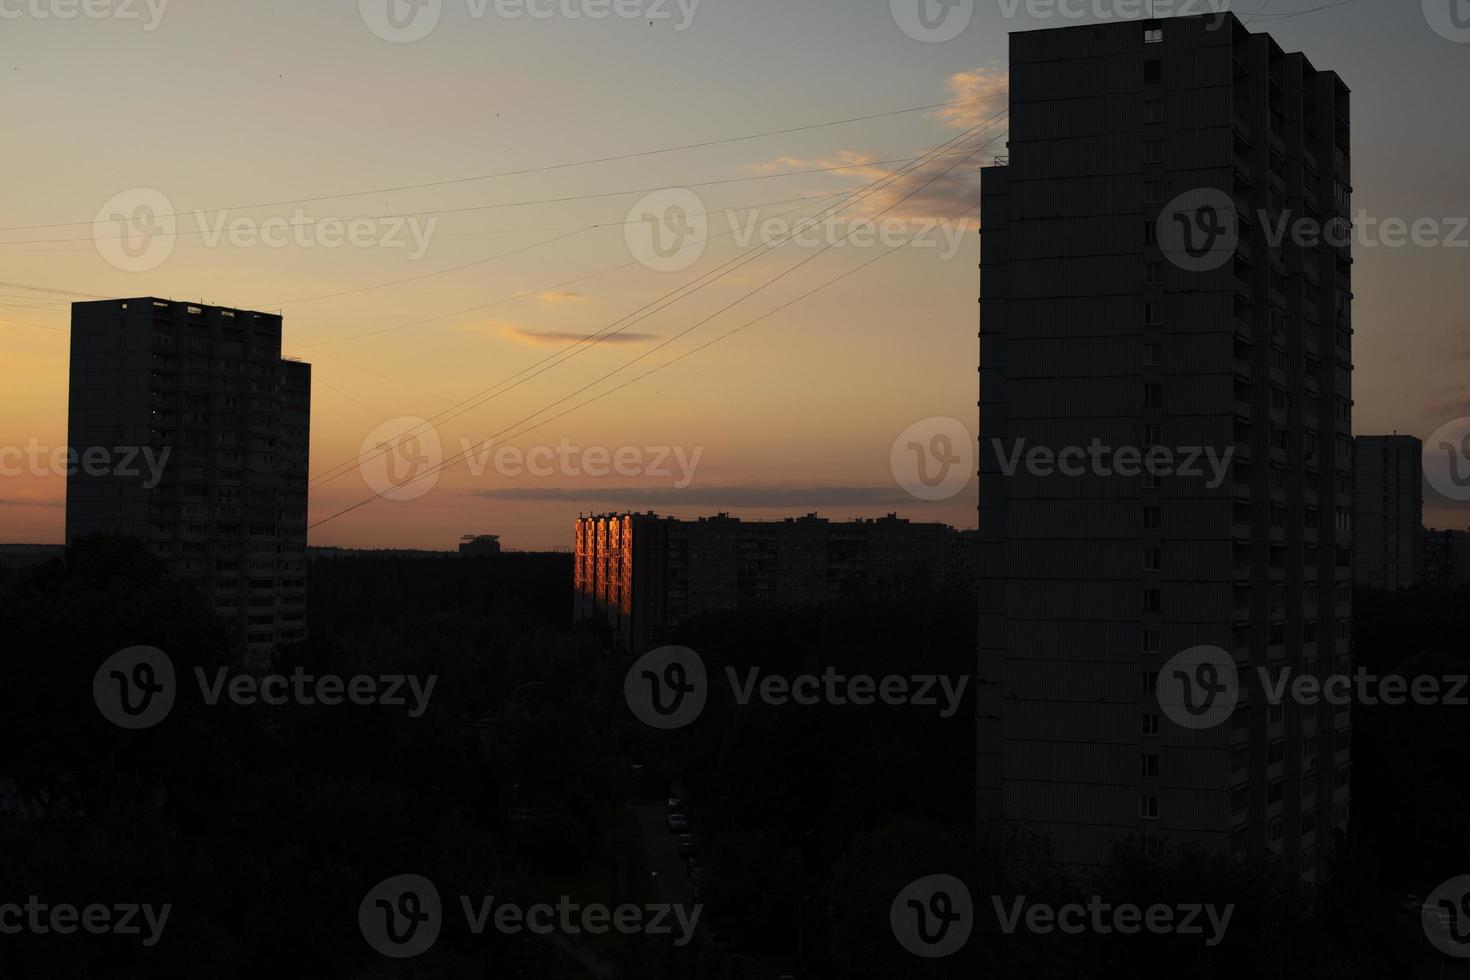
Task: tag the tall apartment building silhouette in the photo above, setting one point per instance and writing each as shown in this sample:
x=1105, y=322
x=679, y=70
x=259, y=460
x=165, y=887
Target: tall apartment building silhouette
x=1388, y=511
x=1134, y=297
x=204, y=392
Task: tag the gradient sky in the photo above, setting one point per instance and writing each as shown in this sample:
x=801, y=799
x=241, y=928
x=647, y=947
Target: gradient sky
x=227, y=104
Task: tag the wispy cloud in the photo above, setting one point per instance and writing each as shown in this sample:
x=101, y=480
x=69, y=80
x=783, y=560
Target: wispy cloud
x=563, y=296
x=985, y=91
x=560, y=338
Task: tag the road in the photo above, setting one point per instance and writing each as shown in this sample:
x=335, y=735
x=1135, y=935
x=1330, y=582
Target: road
x=662, y=847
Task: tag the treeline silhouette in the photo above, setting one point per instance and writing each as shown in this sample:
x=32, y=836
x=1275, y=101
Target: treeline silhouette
x=264, y=827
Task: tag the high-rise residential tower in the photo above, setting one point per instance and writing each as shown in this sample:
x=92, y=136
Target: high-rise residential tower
x=1388, y=511
x=1165, y=419
x=215, y=424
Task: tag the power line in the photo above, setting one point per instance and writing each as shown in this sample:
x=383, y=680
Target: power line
x=876, y=185
x=346, y=466
x=672, y=297
x=710, y=343
x=577, y=231
x=566, y=199
x=543, y=169
x=541, y=289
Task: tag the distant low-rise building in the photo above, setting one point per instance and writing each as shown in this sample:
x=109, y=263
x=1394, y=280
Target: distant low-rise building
x=21, y=556
x=648, y=574
x=1446, y=557
x=1388, y=510
x=479, y=544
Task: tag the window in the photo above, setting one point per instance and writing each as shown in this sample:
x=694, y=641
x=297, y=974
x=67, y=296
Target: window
x=1150, y=641
x=1148, y=807
x=1153, y=111
x=1153, y=396
x=1153, y=559
x=1153, y=151
x=1153, y=600
x=1150, y=764
x=1150, y=233
x=1153, y=191
x=1150, y=724
x=1153, y=273
x=1153, y=435
x=1153, y=314
x=1153, y=35
x=1153, y=355
x=1150, y=682
x=1153, y=518
x=1153, y=71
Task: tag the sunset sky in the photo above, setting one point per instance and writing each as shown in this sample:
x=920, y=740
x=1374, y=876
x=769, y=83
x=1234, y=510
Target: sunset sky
x=220, y=106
